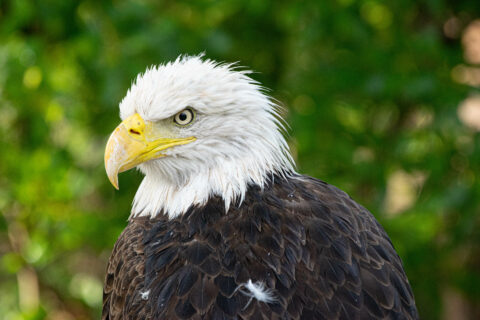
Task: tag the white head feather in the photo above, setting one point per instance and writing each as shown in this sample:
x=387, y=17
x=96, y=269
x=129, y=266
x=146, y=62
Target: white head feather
x=237, y=126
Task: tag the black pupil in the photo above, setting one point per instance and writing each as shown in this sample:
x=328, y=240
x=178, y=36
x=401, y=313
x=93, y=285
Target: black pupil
x=182, y=116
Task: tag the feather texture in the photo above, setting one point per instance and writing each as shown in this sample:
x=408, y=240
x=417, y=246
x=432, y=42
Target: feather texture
x=299, y=241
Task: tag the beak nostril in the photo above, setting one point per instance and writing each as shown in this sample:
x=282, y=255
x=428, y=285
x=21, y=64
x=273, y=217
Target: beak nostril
x=133, y=131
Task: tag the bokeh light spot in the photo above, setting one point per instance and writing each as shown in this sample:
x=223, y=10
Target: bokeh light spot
x=32, y=77
x=378, y=15
x=402, y=191
x=54, y=112
x=87, y=288
x=466, y=75
x=304, y=105
x=469, y=112
x=471, y=42
x=451, y=28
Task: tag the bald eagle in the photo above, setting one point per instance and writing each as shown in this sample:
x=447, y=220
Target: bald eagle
x=222, y=227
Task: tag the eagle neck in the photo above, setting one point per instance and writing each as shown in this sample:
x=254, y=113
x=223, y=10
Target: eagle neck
x=160, y=195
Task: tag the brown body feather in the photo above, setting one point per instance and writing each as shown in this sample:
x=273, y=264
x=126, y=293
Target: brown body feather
x=323, y=256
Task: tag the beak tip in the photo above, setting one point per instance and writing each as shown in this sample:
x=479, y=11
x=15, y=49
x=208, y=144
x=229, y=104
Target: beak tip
x=115, y=184
x=112, y=174
x=114, y=180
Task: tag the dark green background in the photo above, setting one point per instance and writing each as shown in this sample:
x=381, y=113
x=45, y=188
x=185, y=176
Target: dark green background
x=368, y=91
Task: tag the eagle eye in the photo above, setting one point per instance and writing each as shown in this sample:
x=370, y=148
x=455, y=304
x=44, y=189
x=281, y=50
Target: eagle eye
x=184, y=117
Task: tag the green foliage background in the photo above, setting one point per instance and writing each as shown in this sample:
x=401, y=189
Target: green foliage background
x=369, y=94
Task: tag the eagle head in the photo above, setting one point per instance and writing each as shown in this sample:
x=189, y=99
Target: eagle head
x=196, y=129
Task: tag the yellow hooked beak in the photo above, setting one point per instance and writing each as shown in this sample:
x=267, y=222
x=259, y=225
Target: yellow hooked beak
x=135, y=141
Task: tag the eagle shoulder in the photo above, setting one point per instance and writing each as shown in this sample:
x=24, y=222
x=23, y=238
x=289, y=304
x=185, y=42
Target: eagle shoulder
x=358, y=270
